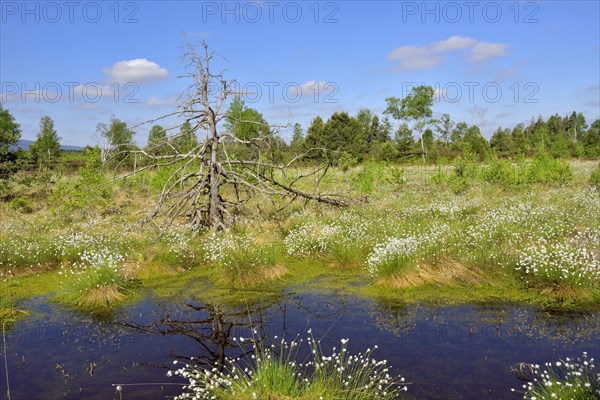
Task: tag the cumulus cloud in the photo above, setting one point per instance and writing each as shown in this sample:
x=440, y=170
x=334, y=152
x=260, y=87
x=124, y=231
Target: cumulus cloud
x=138, y=70
x=311, y=88
x=415, y=58
x=158, y=102
x=412, y=58
x=484, y=51
x=453, y=43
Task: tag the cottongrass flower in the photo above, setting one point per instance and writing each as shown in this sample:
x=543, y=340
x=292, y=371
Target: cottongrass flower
x=241, y=258
x=276, y=371
x=98, y=280
x=395, y=253
x=567, y=262
x=575, y=379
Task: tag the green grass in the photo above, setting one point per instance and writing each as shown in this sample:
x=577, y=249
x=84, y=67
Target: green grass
x=277, y=372
x=575, y=379
x=465, y=247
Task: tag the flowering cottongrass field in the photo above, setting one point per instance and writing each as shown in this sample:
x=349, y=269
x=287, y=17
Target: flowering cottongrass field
x=542, y=238
x=277, y=372
x=568, y=379
x=241, y=259
x=539, y=238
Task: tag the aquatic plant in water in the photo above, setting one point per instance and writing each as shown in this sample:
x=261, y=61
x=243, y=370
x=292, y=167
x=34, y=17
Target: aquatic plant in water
x=575, y=379
x=274, y=372
x=97, y=281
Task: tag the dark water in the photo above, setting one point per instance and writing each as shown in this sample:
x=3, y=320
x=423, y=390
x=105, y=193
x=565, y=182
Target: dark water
x=445, y=352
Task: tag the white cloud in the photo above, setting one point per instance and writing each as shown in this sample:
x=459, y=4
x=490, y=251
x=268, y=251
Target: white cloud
x=93, y=91
x=510, y=72
x=157, y=102
x=484, y=51
x=415, y=58
x=453, y=43
x=411, y=58
x=311, y=88
x=138, y=70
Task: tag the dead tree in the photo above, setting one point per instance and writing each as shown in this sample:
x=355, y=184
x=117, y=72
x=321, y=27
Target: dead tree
x=211, y=179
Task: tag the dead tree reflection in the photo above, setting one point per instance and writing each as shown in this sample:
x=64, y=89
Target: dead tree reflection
x=213, y=327
x=216, y=329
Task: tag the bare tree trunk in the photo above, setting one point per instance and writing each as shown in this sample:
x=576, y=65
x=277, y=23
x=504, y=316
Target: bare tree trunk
x=214, y=214
x=208, y=181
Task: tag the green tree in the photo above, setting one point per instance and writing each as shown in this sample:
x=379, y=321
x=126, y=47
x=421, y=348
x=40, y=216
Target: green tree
x=457, y=136
x=415, y=108
x=540, y=134
x=87, y=192
x=245, y=123
x=575, y=125
x=555, y=127
x=380, y=131
x=343, y=133
x=592, y=140
x=187, y=140
x=47, y=145
x=10, y=131
x=365, y=120
x=476, y=141
x=156, y=139
x=297, y=143
x=315, y=134
x=560, y=145
x=502, y=141
x=520, y=140
x=404, y=140
x=444, y=127
x=117, y=136
x=428, y=140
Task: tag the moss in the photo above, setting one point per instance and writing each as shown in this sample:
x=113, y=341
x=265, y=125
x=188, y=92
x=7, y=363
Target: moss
x=28, y=286
x=314, y=276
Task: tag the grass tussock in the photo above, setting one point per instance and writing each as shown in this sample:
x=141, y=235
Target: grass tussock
x=100, y=297
x=444, y=272
x=277, y=372
x=257, y=275
x=510, y=242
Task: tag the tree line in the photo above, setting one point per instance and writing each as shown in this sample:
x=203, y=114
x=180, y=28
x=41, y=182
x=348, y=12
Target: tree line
x=406, y=131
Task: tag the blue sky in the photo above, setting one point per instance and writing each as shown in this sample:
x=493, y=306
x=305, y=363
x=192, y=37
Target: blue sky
x=81, y=62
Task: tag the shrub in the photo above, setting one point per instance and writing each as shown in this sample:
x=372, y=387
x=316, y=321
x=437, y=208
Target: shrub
x=548, y=170
x=499, y=171
x=595, y=178
x=21, y=204
x=87, y=191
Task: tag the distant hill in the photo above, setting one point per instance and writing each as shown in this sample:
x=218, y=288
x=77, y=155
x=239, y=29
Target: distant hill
x=24, y=144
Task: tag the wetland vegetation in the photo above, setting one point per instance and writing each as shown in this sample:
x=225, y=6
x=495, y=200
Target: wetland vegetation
x=238, y=218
